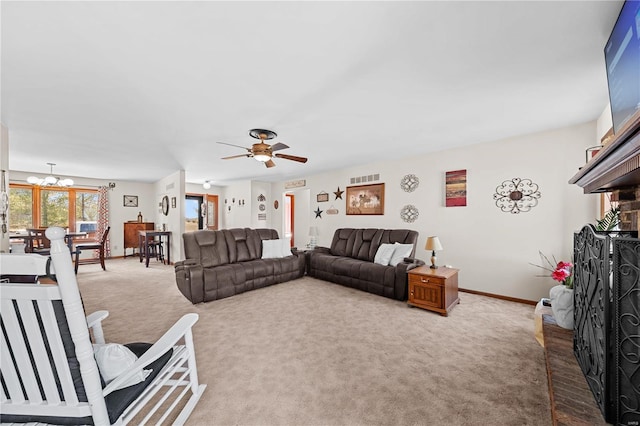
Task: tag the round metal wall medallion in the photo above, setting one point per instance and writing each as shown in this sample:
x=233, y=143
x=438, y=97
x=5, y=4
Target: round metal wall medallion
x=517, y=195
x=409, y=213
x=409, y=183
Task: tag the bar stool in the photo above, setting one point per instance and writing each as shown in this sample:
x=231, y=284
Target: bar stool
x=155, y=249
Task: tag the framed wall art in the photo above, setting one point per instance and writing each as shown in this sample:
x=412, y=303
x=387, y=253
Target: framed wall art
x=456, y=188
x=365, y=199
x=130, y=200
x=322, y=197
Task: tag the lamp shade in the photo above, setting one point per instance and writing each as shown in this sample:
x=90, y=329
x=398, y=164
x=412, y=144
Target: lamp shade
x=313, y=231
x=433, y=243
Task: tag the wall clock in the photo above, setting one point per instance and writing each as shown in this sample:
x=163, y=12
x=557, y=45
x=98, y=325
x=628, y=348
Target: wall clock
x=130, y=200
x=165, y=205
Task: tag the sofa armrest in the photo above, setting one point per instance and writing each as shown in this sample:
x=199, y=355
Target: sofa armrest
x=407, y=264
x=190, y=280
x=412, y=262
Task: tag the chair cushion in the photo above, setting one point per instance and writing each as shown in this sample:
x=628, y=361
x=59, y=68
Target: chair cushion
x=113, y=359
x=119, y=400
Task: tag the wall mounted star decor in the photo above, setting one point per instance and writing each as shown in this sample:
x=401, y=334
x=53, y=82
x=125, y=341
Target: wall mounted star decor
x=338, y=193
x=318, y=213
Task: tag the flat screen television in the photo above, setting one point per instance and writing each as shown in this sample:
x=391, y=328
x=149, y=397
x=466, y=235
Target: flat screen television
x=622, y=57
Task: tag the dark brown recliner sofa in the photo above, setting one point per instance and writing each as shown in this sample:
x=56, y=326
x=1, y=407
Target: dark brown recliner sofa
x=226, y=262
x=350, y=261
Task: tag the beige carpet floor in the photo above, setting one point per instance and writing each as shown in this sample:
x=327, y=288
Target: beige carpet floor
x=308, y=352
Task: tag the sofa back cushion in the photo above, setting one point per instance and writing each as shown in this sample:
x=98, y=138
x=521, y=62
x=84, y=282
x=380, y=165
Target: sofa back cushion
x=401, y=236
x=363, y=244
x=209, y=248
x=246, y=244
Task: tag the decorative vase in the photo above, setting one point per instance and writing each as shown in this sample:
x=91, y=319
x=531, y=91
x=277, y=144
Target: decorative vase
x=562, y=305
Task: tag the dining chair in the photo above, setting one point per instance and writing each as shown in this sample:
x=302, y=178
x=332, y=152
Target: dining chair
x=94, y=245
x=38, y=241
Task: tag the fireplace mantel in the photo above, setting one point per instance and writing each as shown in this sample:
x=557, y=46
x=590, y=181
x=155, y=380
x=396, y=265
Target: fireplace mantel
x=616, y=166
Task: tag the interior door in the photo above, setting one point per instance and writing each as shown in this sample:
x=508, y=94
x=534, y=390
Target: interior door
x=211, y=212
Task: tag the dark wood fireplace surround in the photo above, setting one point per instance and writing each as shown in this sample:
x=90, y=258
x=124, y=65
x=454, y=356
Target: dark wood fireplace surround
x=616, y=169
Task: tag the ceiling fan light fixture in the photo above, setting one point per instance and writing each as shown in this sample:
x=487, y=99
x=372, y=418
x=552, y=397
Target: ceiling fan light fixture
x=263, y=158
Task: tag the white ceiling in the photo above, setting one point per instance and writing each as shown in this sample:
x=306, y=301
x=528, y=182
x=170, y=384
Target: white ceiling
x=137, y=90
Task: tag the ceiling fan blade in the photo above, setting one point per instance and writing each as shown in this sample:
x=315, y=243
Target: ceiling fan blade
x=269, y=163
x=278, y=146
x=238, y=146
x=236, y=156
x=292, y=157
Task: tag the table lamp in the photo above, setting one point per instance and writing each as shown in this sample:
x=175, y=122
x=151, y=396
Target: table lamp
x=313, y=237
x=433, y=244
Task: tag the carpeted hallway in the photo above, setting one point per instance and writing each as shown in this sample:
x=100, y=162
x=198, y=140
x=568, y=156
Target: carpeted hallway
x=307, y=352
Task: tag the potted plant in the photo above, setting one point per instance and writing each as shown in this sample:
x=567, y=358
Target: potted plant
x=561, y=295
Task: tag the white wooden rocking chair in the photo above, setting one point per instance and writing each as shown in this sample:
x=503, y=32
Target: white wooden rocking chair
x=48, y=369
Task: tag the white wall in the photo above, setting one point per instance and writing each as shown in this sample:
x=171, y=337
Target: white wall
x=302, y=219
x=491, y=248
x=172, y=186
x=257, y=189
x=239, y=216
x=4, y=165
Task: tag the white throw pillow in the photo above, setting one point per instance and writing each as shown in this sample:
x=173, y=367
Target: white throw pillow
x=401, y=251
x=285, y=247
x=384, y=254
x=273, y=249
x=113, y=359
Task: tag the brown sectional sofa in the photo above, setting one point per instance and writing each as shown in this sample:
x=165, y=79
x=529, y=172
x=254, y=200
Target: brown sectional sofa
x=227, y=262
x=350, y=261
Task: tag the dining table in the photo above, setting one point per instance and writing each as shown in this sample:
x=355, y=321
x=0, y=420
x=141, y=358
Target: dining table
x=144, y=236
x=28, y=239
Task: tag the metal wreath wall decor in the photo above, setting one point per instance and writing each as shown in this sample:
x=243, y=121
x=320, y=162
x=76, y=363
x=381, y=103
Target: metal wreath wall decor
x=517, y=195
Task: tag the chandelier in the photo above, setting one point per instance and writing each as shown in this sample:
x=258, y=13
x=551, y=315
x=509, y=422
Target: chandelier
x=50, y=180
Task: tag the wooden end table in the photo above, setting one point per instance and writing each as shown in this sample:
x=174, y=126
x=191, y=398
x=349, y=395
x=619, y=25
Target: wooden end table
x=433, y=289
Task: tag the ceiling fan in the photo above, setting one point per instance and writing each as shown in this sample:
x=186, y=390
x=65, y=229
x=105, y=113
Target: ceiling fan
x=262, y=151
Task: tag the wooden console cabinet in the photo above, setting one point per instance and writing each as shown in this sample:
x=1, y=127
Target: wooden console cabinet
x=433, y=289
x=131, y=234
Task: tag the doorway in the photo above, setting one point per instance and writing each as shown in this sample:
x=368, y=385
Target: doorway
x=193, y=212
x=200, y=211
x=289, y=217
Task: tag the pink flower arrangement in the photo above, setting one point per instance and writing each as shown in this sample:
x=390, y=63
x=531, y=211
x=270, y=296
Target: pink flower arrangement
x=562, y=272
